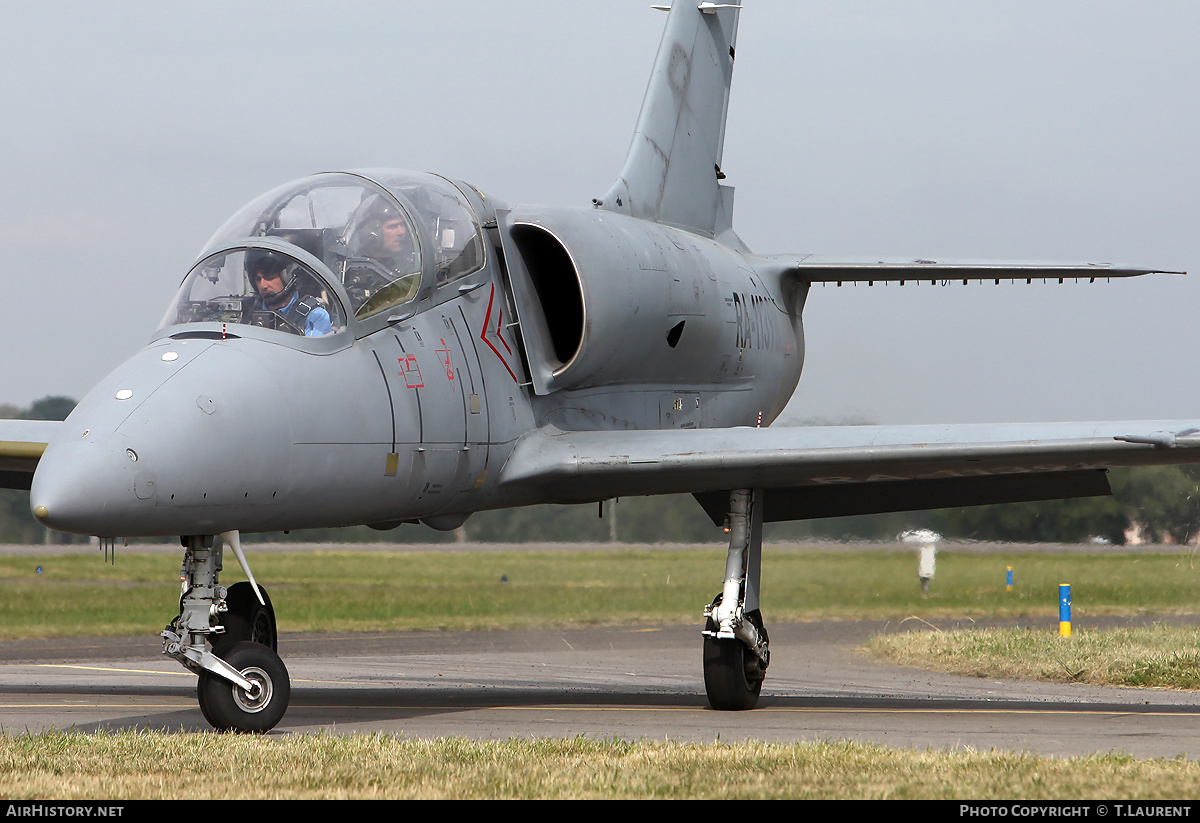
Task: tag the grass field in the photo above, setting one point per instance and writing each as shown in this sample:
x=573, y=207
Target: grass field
x=355, y=590
x=137, y=765
x=1161, y=657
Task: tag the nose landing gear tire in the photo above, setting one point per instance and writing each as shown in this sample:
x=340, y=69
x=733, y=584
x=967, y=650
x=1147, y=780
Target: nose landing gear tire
x=229, y=707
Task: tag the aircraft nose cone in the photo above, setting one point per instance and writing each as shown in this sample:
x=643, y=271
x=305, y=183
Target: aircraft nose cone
x=80, y=487
x=156, y=451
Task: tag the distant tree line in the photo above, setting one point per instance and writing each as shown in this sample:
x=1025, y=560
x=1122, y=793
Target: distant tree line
x=1161, y=504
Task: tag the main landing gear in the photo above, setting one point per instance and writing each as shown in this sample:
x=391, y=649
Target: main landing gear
x=244, y=686
x=736, y=653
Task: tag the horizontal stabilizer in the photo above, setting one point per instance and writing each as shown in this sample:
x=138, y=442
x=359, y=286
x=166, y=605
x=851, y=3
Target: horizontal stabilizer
x=818, y=269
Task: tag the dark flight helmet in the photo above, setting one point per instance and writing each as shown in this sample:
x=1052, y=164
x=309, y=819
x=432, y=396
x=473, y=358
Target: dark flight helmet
x=272, y=264
x=372, y=214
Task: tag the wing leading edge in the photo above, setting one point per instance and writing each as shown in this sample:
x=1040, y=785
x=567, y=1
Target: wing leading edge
x=839, y=470
x=21, y=445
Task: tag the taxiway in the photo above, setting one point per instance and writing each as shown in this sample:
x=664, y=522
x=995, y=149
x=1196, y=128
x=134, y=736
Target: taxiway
x=628, y=682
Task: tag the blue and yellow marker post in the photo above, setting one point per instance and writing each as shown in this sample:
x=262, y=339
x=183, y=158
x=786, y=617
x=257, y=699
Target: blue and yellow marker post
x=1008, y=580
x=1064, y=610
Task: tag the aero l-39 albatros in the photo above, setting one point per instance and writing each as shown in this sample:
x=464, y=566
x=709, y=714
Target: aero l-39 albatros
x=383, y=347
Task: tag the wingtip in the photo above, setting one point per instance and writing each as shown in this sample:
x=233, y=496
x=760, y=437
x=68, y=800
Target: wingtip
x=1121, y=270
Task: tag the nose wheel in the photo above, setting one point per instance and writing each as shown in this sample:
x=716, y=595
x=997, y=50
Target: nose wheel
x=231, y=707
x=228, y=638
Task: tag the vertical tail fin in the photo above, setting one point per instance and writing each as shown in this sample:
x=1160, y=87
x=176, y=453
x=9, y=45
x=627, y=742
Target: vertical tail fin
x=672, y=170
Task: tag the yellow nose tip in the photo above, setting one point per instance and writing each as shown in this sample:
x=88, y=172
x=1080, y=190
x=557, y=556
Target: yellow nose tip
x=41, y=512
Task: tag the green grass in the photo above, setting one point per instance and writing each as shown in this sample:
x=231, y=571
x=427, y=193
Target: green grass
x=355, y=590
x=358, y=590
x=150, y=765
x=1165, y=657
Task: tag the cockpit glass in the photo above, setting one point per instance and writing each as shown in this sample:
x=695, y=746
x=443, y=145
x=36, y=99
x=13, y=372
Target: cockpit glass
x=376, y=232
x=361, y=232
x=446, y=218
x=257, y=287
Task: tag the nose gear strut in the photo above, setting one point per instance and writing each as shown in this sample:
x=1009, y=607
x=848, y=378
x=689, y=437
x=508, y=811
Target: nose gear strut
x=244, y=685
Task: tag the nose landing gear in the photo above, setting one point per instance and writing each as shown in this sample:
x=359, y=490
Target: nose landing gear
x=244, y=685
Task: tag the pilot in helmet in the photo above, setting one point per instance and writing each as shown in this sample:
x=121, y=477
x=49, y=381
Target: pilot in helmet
x=385, y=235
x=278, y=283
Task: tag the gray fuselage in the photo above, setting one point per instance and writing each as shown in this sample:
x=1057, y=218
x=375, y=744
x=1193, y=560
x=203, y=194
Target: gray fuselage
x=214, y=427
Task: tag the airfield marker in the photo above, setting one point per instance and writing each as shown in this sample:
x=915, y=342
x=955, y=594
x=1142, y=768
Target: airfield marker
x=926, y=541
x=1064, y=610
x=1008, y=581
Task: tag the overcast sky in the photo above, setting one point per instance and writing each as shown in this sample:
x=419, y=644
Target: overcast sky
x=1024, y=130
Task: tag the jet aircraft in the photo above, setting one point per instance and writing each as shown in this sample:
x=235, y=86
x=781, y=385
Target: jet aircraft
x=381, y=347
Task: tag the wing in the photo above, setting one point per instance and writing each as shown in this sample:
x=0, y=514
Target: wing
x=21, y=445
x=838, y=470
x=817, y=269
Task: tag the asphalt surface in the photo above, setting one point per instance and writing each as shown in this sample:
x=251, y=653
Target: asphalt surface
x=634, y=683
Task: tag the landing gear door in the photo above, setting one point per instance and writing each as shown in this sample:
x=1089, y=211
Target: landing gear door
x=535, y=332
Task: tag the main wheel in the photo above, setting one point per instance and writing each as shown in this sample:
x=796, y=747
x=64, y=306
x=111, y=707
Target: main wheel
x=733, y=675
x=725, y=680
x=231, y=708
x=247, y=619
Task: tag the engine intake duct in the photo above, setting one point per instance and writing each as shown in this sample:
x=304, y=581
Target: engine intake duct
x=557, y=286
x=604, y=299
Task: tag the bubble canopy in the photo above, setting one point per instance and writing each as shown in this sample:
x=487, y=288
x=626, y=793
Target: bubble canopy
x=369, y=240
